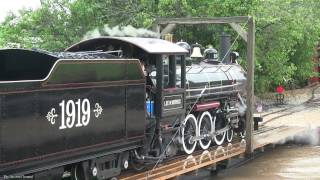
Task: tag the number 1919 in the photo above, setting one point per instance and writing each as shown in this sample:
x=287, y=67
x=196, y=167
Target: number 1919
x=70, y=111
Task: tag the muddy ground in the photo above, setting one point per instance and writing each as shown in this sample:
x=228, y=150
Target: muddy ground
x=296, y=157
x=287, y=162
x=301, y=108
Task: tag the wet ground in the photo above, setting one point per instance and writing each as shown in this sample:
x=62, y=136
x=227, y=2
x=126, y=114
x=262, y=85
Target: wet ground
x=287, y=161
x=284, y=162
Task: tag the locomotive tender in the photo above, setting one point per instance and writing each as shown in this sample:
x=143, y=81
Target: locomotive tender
x=110, y=101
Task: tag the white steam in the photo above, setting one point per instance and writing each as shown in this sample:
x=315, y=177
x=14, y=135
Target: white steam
x=310, y=136
x=125, y=31
x=241, y=108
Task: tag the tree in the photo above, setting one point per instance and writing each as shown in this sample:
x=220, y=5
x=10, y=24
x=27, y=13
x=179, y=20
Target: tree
x=54, y=26
x=286, y=30
x=284, y=48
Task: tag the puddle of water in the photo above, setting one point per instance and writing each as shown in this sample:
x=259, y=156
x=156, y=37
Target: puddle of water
x=284, y=162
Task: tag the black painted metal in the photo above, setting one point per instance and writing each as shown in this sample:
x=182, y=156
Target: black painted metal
x=214, y=81
x=159, y=88
x=30, y=142
x=172, y=71
x=15, y=64
x=135, y=111
x=183, y=72
x=225, y=46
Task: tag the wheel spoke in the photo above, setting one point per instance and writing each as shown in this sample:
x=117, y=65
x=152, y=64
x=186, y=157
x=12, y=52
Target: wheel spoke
x=230, y=135
x=189, y=131
x=205, y=127
x=218, y=124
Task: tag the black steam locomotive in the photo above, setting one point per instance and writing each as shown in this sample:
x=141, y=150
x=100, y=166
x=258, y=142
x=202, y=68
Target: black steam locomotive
x=107, y=102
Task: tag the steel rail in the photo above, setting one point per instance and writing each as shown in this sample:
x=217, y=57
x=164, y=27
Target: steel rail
x=188, y=163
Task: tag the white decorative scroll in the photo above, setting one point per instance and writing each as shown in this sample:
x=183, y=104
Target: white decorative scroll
x=98, y=110
x=51, y=115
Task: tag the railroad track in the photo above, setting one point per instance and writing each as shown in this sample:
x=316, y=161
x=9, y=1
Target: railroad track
x=313, y=102
x=200, y=159
x=191, y=162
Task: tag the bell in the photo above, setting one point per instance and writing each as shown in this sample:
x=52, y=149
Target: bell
x=168, y=37
x=196, y=53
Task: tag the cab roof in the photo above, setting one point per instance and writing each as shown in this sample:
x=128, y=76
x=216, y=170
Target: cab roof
x=150, y=45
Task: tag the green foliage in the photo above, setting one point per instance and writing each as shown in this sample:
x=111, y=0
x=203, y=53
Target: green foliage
x=286, y=30
x=286, y=34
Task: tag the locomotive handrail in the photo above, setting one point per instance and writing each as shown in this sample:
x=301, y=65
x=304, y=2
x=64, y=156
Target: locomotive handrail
x=218, y=68
x=215, y=93
x=227, y=69
x=203, y=69
x=64, y=55
x=217, y=87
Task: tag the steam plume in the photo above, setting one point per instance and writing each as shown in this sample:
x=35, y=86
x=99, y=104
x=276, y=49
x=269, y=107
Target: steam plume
x=127, y=31
x=310, y=136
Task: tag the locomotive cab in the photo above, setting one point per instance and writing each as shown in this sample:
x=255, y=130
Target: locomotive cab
x=169, y=83
x=165, y=81
x=158, y=59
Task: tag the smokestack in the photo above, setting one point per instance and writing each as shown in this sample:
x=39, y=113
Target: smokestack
x=224, y=48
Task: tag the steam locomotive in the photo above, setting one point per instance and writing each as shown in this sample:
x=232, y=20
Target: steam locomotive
x=109, y=102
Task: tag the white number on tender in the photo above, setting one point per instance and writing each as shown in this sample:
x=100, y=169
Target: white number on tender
x=75, y=111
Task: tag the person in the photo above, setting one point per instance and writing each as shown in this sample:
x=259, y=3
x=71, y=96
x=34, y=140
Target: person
x=280, y=95
x=143, y=68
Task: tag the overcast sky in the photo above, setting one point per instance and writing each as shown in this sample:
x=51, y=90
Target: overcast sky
x=15, y=5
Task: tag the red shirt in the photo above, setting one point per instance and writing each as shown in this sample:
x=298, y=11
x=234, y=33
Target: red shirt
x=280, y=89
